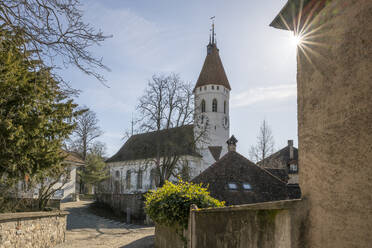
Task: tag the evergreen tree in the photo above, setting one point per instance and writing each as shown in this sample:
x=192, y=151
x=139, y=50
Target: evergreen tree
x=95, y=170
x=36, y=115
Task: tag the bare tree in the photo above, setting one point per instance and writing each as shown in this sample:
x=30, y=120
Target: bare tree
x=264, y=146
x=83, y=140
x=166, y=104
x=87, y=130
x=54, y=29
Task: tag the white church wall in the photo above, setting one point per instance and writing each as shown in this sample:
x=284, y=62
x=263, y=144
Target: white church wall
x=117, y=183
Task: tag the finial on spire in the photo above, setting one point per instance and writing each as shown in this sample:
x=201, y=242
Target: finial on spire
x=213, y=34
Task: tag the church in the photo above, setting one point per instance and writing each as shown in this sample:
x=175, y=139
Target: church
x=131, y=171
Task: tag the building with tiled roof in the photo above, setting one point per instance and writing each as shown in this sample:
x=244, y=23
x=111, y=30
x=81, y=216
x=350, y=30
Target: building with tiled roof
x=283, y=163
x=178, y=141
x=236, y=180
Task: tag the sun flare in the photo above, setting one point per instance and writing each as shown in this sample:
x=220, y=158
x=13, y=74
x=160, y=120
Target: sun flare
x=296, y=39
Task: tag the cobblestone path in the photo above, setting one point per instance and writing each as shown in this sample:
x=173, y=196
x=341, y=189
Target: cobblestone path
x=84, y=229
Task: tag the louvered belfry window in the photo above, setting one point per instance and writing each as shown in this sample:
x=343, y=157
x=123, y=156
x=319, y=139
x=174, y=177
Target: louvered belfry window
x=203, y=106
x=214, y=105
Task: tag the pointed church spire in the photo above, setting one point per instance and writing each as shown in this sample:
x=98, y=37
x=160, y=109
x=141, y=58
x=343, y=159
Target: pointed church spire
x=212, y=71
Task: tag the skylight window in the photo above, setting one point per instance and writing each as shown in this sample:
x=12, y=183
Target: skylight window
x=232, y=186
x=247, y=186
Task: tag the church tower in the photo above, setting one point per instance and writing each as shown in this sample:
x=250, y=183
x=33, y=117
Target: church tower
x=212, y=94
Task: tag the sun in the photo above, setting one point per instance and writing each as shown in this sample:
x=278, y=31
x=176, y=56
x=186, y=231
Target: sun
x=296, y=39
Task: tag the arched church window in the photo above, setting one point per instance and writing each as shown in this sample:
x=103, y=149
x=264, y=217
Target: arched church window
x=224, y=107
x=139, y=179
x=203, y=106
x=127, y=179
x=214, y=105
x=154, y=178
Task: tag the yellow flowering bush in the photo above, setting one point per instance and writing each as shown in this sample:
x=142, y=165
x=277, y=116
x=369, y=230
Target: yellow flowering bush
x=170, y=204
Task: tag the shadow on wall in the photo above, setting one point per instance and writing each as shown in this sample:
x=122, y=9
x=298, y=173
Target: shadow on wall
x=146, y=242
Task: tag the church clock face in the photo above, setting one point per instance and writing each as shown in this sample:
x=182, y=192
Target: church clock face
x=225, y=122
x=202, y=121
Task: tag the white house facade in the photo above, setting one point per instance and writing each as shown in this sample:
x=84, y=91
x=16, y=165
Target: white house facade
x=65, y=187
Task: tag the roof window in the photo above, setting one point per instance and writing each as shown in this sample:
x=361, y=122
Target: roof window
x=232, y=186
x=293, y=168
x=247, y=186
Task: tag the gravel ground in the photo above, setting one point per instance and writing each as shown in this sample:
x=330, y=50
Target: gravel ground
x=85, y=229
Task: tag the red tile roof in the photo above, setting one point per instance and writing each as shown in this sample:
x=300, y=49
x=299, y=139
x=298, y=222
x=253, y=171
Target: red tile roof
x=213, y=71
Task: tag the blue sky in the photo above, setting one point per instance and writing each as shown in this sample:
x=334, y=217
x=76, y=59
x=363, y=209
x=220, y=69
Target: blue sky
x=163, y=36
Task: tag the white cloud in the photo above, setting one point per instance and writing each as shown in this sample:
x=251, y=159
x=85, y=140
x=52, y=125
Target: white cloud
x=136, y=39
x=104, y=100
x=263, y=94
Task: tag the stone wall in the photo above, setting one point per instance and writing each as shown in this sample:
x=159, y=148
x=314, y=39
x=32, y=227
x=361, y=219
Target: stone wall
x=121, y=204
x=335, y=125
x=32, y=229
x=263, y=225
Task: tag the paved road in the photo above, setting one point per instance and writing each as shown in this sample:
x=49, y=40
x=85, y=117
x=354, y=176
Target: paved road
x=84, y=229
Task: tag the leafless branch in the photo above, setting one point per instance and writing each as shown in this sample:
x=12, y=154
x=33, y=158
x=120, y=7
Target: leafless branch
x=55, y=30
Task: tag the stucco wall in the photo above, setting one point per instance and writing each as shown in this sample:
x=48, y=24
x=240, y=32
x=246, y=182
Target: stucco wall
x=32, y=229
x=335, y=126
x=263, y=225
x=166, y=237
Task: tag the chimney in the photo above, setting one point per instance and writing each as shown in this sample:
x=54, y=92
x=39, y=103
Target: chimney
x=231, y=144
x=290, y=144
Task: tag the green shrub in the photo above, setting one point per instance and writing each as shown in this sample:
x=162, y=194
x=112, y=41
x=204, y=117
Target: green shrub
x=170, y=204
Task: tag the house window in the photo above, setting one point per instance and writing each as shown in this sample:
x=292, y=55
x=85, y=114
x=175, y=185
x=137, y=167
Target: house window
x=218, y=87
x=139, y=179
x=232, y=186
x=200, y=88
x=293, y=168
x=127, y=179
x=212, y=87
x=203, y=106
x=117, y=174
x=247, y=186
x=205, y=87
x=214, y=105
x=224, y=107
